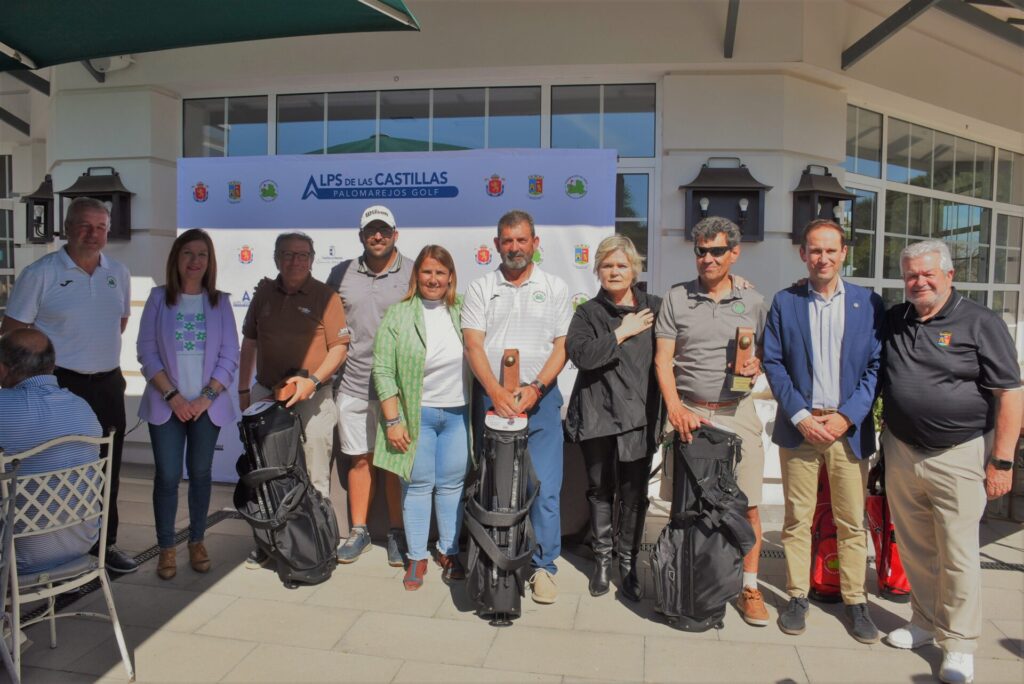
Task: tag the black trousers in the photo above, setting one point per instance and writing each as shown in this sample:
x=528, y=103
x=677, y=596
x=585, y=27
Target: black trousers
x=608, y=475
x=104, y=392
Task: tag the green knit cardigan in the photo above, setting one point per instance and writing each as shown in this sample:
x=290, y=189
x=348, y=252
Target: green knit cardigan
x=399, y=352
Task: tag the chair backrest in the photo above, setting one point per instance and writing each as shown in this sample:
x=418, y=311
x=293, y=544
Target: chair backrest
x=8, y=486
x=64, y=497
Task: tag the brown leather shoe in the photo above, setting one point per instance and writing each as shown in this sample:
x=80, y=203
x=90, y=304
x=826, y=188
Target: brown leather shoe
x=197, y=557
x=167, y=565
x=751, y=607
x=451, y=568
x=414, y=573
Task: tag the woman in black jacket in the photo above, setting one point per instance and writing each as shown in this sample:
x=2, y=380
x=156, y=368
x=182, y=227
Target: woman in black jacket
x=614, y=409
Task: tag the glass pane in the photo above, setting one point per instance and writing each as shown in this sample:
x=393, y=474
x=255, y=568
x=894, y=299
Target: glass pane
x=1008, y=256
x=575, y=118
x=6, y=283
x=1004, y=303
x=850, y=164
x=459, y=119
x=637, y=232
x=203, y=134
x=943, y=162
x=1011, y=178
x=631, y=195
x=1004, y=167
x=896, y=212
x=869, y=143
x=892, y=296
x=919, y=216
x=300, y=124
x=921, y=140
x=514, y=117
x=247, y=126
x=984, y=170
x=5, y=175
x=629, y=119
x=974, y=295
x=351, y=122
x=964, y=168
x=859, y=218
x=897, y=166
x=404, y=120
x=891, y=257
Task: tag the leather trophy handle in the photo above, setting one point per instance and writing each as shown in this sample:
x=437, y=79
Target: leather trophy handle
x=283, y=391
x=510, y=370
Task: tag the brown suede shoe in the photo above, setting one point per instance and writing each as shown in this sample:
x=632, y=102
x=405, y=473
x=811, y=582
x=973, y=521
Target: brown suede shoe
x=451, y=568
x=751, y=607
x=197, y=557
x=167, y=565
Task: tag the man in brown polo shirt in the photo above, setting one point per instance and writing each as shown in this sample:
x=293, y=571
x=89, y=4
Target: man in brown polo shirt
x=295, y=332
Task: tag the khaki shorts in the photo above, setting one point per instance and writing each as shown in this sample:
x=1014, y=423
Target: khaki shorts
x=357, y=424
x=741, y=419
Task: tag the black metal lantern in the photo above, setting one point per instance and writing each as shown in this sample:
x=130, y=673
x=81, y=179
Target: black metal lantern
x=39, y=213
x=107, y=188
x=818, y=196
x=727, y=191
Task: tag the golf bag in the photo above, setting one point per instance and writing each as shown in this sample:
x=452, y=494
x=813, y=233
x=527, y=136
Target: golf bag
x=291, y=521
x=824, y=547
x=892, y=578
x=497, y=518
x=697, y=561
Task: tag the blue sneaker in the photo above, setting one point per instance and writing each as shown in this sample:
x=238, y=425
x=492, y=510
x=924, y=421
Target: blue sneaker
x=358, y=543
x=396, y=548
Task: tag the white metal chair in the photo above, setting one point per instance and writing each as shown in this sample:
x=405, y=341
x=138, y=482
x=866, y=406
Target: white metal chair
x=57, y=500
x=7, y=487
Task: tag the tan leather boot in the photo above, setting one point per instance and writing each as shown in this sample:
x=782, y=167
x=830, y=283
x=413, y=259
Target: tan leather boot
x=197, y=557
x=167, y=565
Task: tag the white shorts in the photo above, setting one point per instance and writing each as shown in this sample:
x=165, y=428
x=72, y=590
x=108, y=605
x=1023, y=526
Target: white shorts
x=357, y=422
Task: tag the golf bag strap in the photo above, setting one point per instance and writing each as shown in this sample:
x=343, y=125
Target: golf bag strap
x=288, y=504
x=254, y=478
x=496, y=518
x=491, y=550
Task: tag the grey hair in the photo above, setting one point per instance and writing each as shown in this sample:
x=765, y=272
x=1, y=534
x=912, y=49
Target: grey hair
x=83, y=204
x=22, y=360
x=514, y=218
x=284, y=237
x=918, y=249
x=615, y=243
x=711, y=226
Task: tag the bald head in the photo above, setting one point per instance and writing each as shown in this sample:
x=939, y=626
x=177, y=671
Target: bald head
x=24, y=353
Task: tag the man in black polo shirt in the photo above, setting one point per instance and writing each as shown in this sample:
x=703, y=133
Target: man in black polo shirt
x=952, y=416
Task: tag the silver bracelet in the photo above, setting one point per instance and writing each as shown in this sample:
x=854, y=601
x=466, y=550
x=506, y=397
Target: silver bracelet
x=392, y=422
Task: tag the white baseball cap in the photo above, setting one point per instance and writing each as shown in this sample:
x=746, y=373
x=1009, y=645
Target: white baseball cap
x=377, y=212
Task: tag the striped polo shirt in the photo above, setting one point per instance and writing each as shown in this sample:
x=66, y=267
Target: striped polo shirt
x=34, y=411
x=80, y=313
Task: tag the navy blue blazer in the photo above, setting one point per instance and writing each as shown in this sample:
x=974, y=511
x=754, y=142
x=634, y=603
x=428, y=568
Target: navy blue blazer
x=789, y=356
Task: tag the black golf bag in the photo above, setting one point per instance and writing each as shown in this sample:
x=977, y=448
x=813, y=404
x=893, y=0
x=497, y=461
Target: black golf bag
x=291, y=521
x=697, y=561
x=497, y=518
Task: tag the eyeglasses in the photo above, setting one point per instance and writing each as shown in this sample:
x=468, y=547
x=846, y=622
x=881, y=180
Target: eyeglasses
x=296, y=256
x=385, y=230
x=716, y=252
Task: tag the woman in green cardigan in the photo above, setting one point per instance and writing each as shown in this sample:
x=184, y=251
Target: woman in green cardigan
x=423, y=384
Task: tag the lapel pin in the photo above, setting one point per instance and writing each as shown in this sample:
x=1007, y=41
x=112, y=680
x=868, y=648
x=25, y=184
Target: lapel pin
x=856, y=305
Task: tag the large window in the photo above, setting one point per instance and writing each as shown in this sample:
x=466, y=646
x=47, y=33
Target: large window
x=619, y=117
x=632, y=199
x=863, y=142
x=931, y=159
x=225, y=127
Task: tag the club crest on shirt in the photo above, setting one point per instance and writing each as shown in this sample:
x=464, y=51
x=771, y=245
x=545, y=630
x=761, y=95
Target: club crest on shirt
x=111, y=282
x=945, y=338
x=540, y=297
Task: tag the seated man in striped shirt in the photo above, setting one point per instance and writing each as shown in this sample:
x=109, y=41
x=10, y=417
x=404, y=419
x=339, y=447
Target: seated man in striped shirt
x=33, y=410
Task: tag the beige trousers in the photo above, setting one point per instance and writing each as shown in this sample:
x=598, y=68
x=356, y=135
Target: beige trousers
x=937, y=499
x=847, y=477
x=319, y=415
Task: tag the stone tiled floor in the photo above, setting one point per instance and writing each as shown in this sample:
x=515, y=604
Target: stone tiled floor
x=237, y=625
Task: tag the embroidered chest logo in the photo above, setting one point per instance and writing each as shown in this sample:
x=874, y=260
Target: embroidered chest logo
x=540, y=297
x=66, y=283
x=111, y=282
x=945, y=338
x=739, y=307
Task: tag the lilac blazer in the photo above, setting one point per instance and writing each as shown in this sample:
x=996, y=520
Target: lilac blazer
x=156, y=353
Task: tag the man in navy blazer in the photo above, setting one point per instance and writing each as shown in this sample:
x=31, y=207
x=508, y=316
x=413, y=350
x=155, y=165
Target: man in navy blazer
x=822, y=351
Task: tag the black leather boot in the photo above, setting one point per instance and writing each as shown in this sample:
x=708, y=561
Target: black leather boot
x=631, y=530
x=601, y=543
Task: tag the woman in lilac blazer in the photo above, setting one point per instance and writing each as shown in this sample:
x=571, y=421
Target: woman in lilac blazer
x=188, y=348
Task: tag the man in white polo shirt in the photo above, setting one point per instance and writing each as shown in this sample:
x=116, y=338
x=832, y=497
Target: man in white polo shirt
x=518, y=306
x=81, y=299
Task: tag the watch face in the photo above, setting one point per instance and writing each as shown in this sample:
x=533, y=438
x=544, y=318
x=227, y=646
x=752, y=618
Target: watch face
x=1001, y=464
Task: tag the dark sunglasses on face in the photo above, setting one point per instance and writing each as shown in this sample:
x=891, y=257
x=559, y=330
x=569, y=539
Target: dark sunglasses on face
x=385, y=230
x=717, y=252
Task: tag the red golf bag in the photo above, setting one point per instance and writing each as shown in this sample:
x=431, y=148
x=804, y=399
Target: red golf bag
x=824, y=547
x=892, y=579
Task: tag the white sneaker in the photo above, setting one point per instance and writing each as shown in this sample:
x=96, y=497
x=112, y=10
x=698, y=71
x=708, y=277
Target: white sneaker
x=909, y=636
x=957, y=668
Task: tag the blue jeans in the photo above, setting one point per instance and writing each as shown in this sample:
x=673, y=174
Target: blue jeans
x=438, y=471
x=546, y=443
x=197, y=439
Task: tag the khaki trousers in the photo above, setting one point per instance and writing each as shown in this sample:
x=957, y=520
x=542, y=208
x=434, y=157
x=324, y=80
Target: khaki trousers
x=937, y=499
x=848, y=478
x=319, y=415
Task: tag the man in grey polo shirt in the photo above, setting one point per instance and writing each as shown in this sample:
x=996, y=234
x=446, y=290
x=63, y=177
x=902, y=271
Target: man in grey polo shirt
x=695, y=329
x=368, y=285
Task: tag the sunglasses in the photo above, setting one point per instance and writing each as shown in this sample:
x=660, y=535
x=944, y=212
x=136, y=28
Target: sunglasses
x=385, y=230
x=716, y=252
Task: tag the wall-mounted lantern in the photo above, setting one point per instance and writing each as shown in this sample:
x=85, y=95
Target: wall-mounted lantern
x=107, y=188
x=818, y=196
x=727, y=190
x=39, y=213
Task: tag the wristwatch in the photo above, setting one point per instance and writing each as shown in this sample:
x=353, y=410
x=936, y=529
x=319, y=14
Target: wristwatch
x=1000, y=463
x=539, y=386
x=316, y=382
x=209, y=393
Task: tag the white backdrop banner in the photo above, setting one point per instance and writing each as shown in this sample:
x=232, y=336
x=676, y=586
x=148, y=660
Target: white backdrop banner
x=448, y=198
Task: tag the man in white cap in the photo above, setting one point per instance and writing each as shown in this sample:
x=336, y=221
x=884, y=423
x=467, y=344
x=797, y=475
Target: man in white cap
x=368, y=285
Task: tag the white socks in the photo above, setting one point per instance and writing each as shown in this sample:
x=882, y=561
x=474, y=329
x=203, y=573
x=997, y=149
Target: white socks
x=750, y=580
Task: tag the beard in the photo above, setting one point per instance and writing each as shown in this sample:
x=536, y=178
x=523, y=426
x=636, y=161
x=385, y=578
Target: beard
x=516, y=261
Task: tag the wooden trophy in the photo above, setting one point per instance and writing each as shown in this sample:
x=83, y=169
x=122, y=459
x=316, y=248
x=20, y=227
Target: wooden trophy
x=744, y=352
x=510, y=370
